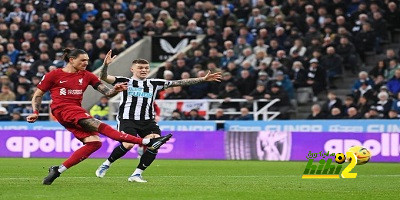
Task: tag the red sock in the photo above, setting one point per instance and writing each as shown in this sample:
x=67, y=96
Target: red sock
x=116, y=135
x=82, y=153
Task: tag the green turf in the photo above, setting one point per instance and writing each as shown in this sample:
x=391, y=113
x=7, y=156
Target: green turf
x=175, y=179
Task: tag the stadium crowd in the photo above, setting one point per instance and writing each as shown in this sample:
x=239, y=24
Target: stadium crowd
x=265, y=49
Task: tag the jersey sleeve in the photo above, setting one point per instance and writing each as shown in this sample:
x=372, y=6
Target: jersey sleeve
x=94, y=80
x=47, y=82
x=120, y=79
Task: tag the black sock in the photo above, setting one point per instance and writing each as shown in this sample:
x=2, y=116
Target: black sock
x=147, y=158
x=117, y=153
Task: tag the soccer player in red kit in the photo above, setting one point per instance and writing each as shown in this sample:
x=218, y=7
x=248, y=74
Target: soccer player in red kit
x=67, y=86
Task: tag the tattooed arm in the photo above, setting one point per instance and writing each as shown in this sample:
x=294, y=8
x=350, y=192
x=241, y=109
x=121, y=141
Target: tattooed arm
x=102, y=88
x=103, y=74
x=36, y=102
x=191, y=81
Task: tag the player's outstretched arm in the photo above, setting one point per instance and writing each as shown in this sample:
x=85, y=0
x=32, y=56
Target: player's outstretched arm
x=103, y=74
x=119, y=87
x=36, y=102
x=191, y=81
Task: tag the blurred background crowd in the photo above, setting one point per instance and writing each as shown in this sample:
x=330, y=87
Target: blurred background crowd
x=294, y=50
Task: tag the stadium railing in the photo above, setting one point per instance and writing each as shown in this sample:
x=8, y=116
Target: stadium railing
x=2, y=103
x=207, y=106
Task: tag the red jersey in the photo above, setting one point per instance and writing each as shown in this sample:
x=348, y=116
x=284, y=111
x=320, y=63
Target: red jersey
x=66, y=89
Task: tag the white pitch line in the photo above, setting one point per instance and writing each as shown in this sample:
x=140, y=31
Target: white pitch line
x=110, y=177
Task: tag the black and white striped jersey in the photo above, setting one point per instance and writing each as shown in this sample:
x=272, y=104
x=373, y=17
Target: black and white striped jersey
x=137, y=102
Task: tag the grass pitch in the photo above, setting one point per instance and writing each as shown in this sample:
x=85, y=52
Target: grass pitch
x=189, y=179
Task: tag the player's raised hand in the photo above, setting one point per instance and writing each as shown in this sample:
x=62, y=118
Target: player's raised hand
x=121, y=87
x=213, y=77
x=32, y=118
x=108, y=59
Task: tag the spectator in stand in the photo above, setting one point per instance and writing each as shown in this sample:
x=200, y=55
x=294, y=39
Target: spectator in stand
x=227, y=58
x=390, y=71
x=366, y=91
x=101, y=110
x=316, y=112
x=394, y=83
x=299, y=47
x=378, y=70
x=348, y=103
x=352, y=113
x=12, y=52
x=365, y=40
x=4, y=116
x=229, y=93
x=241, y=45
x=219, y=115
x=363, y=105
x=284, y=82
x=6, y=94
x=177, y=93
x=396, y=103
x=260, y=45
x=372, y=113
x=332, y=63
x=5, y=63
x=362, y=77
x=176, y=115
x=246, y=83
x=194, y=115
x=283, y=106
x=298, y=75
x=258, y=93
x=199, y=91
x=384, y=104
x=393, y=115
x=180, y=68
x=244, y=114
x=316, y=78
x=335, y=113
x=192, y=28
x=392, y=16
x=226, y=78
x=16, y=116
x=348, y=53
x=332, y=102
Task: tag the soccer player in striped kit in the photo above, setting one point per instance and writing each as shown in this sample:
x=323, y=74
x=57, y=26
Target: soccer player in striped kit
x=136, y=110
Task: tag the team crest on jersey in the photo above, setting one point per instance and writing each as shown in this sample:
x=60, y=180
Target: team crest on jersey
x=63, y=91
x=80, y=81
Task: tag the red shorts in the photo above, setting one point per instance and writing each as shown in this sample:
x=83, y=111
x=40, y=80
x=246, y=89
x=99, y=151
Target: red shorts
x=69, y=117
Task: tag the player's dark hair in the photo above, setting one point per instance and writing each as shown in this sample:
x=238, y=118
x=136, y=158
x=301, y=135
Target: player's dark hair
x=140, y=61
x=72, y=53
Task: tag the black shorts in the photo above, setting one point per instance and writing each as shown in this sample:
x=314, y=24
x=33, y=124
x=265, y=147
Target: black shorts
x=139, y=128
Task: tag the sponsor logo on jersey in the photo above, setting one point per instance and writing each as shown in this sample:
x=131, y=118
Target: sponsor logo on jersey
x=138, y=92
x=64, y=92
x=75, y=92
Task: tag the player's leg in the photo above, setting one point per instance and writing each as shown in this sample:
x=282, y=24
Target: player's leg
x=145, y=161
x=126, y=126
x=149, y=155
x=117, y=153
x=91, y=124
x=91, y=144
